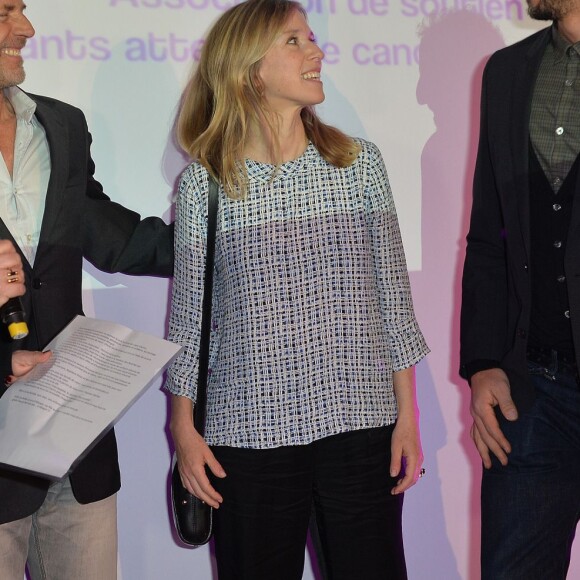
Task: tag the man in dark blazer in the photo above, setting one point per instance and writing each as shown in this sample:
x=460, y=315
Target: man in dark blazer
x=520, y=322
x=54, y=210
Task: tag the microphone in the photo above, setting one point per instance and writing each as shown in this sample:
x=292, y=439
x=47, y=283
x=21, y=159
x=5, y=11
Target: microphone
x=12, y=314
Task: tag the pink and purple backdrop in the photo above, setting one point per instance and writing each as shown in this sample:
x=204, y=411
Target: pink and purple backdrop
x=402, y=73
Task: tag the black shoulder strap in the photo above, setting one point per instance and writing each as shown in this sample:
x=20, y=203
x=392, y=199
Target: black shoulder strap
x=212, y=210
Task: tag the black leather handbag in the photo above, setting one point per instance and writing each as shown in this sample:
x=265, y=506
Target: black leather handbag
x=193, y=518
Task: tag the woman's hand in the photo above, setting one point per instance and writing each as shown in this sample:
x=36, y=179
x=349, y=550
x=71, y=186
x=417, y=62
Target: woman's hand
x=11, y=274
x=193, y=453
x=406, y=439
x=406, y=446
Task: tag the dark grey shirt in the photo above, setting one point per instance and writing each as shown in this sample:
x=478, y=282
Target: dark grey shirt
x=555, y=114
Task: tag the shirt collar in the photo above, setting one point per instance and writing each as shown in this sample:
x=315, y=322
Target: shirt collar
x=561, y=46
x=23, y=105
x=266, y=172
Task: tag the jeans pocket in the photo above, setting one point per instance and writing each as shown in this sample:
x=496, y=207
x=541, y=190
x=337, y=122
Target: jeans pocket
x=536, y=369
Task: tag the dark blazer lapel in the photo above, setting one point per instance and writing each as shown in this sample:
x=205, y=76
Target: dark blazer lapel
x=573, y=243
x=58, y=143
x=56, y=135
x=521, y=105
x=5, y=234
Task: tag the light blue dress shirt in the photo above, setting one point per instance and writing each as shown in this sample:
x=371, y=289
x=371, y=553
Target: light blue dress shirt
x=23, y=194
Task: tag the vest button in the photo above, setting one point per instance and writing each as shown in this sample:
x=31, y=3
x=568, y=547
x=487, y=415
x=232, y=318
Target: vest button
x=36, y=283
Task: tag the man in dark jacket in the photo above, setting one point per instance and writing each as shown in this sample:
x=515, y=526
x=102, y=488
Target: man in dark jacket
x=56, y=213
x=520, y=324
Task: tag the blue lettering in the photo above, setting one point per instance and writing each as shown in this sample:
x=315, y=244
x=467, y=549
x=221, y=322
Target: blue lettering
x=100, y=48
x=514, y=4
x=376, y=7
x=360, y=49
x=385, y=54
x=331, y=53
x=409, y=9
x=135, y=50
x=319, y=6
x=56, y=41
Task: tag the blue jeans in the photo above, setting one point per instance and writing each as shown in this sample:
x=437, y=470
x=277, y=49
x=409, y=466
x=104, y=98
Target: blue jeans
x=63, y=540
x=261, y=527
x=530, y=508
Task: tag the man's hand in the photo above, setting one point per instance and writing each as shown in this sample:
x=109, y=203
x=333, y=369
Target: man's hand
x=23, y=361
x=490, y=388
x=11, y=273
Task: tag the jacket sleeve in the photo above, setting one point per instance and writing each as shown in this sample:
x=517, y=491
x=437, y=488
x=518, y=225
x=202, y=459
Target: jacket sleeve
x=116, y=239
x=484, y=286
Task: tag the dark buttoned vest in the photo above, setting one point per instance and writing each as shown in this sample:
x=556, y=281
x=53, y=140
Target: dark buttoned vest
x=550, y=215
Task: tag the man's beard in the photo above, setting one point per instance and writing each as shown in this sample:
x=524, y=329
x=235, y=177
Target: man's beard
x=12, y=79
x=550, y=9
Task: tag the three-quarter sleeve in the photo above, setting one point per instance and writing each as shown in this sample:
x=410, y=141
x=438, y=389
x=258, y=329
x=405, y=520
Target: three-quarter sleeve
x=188, y=281
x=406, y=342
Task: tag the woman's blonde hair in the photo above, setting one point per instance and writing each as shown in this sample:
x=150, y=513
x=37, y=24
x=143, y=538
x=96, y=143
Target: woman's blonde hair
x=223, y=98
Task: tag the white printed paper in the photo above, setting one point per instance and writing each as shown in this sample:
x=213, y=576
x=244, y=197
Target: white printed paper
x=98, y=369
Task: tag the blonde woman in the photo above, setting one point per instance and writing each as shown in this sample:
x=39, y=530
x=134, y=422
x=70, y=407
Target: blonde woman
x=311, y=395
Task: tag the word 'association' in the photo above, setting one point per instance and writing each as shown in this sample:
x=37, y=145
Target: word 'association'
x=491, y=9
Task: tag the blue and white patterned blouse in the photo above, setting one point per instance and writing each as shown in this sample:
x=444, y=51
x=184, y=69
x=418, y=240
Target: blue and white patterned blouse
x=312, y=309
